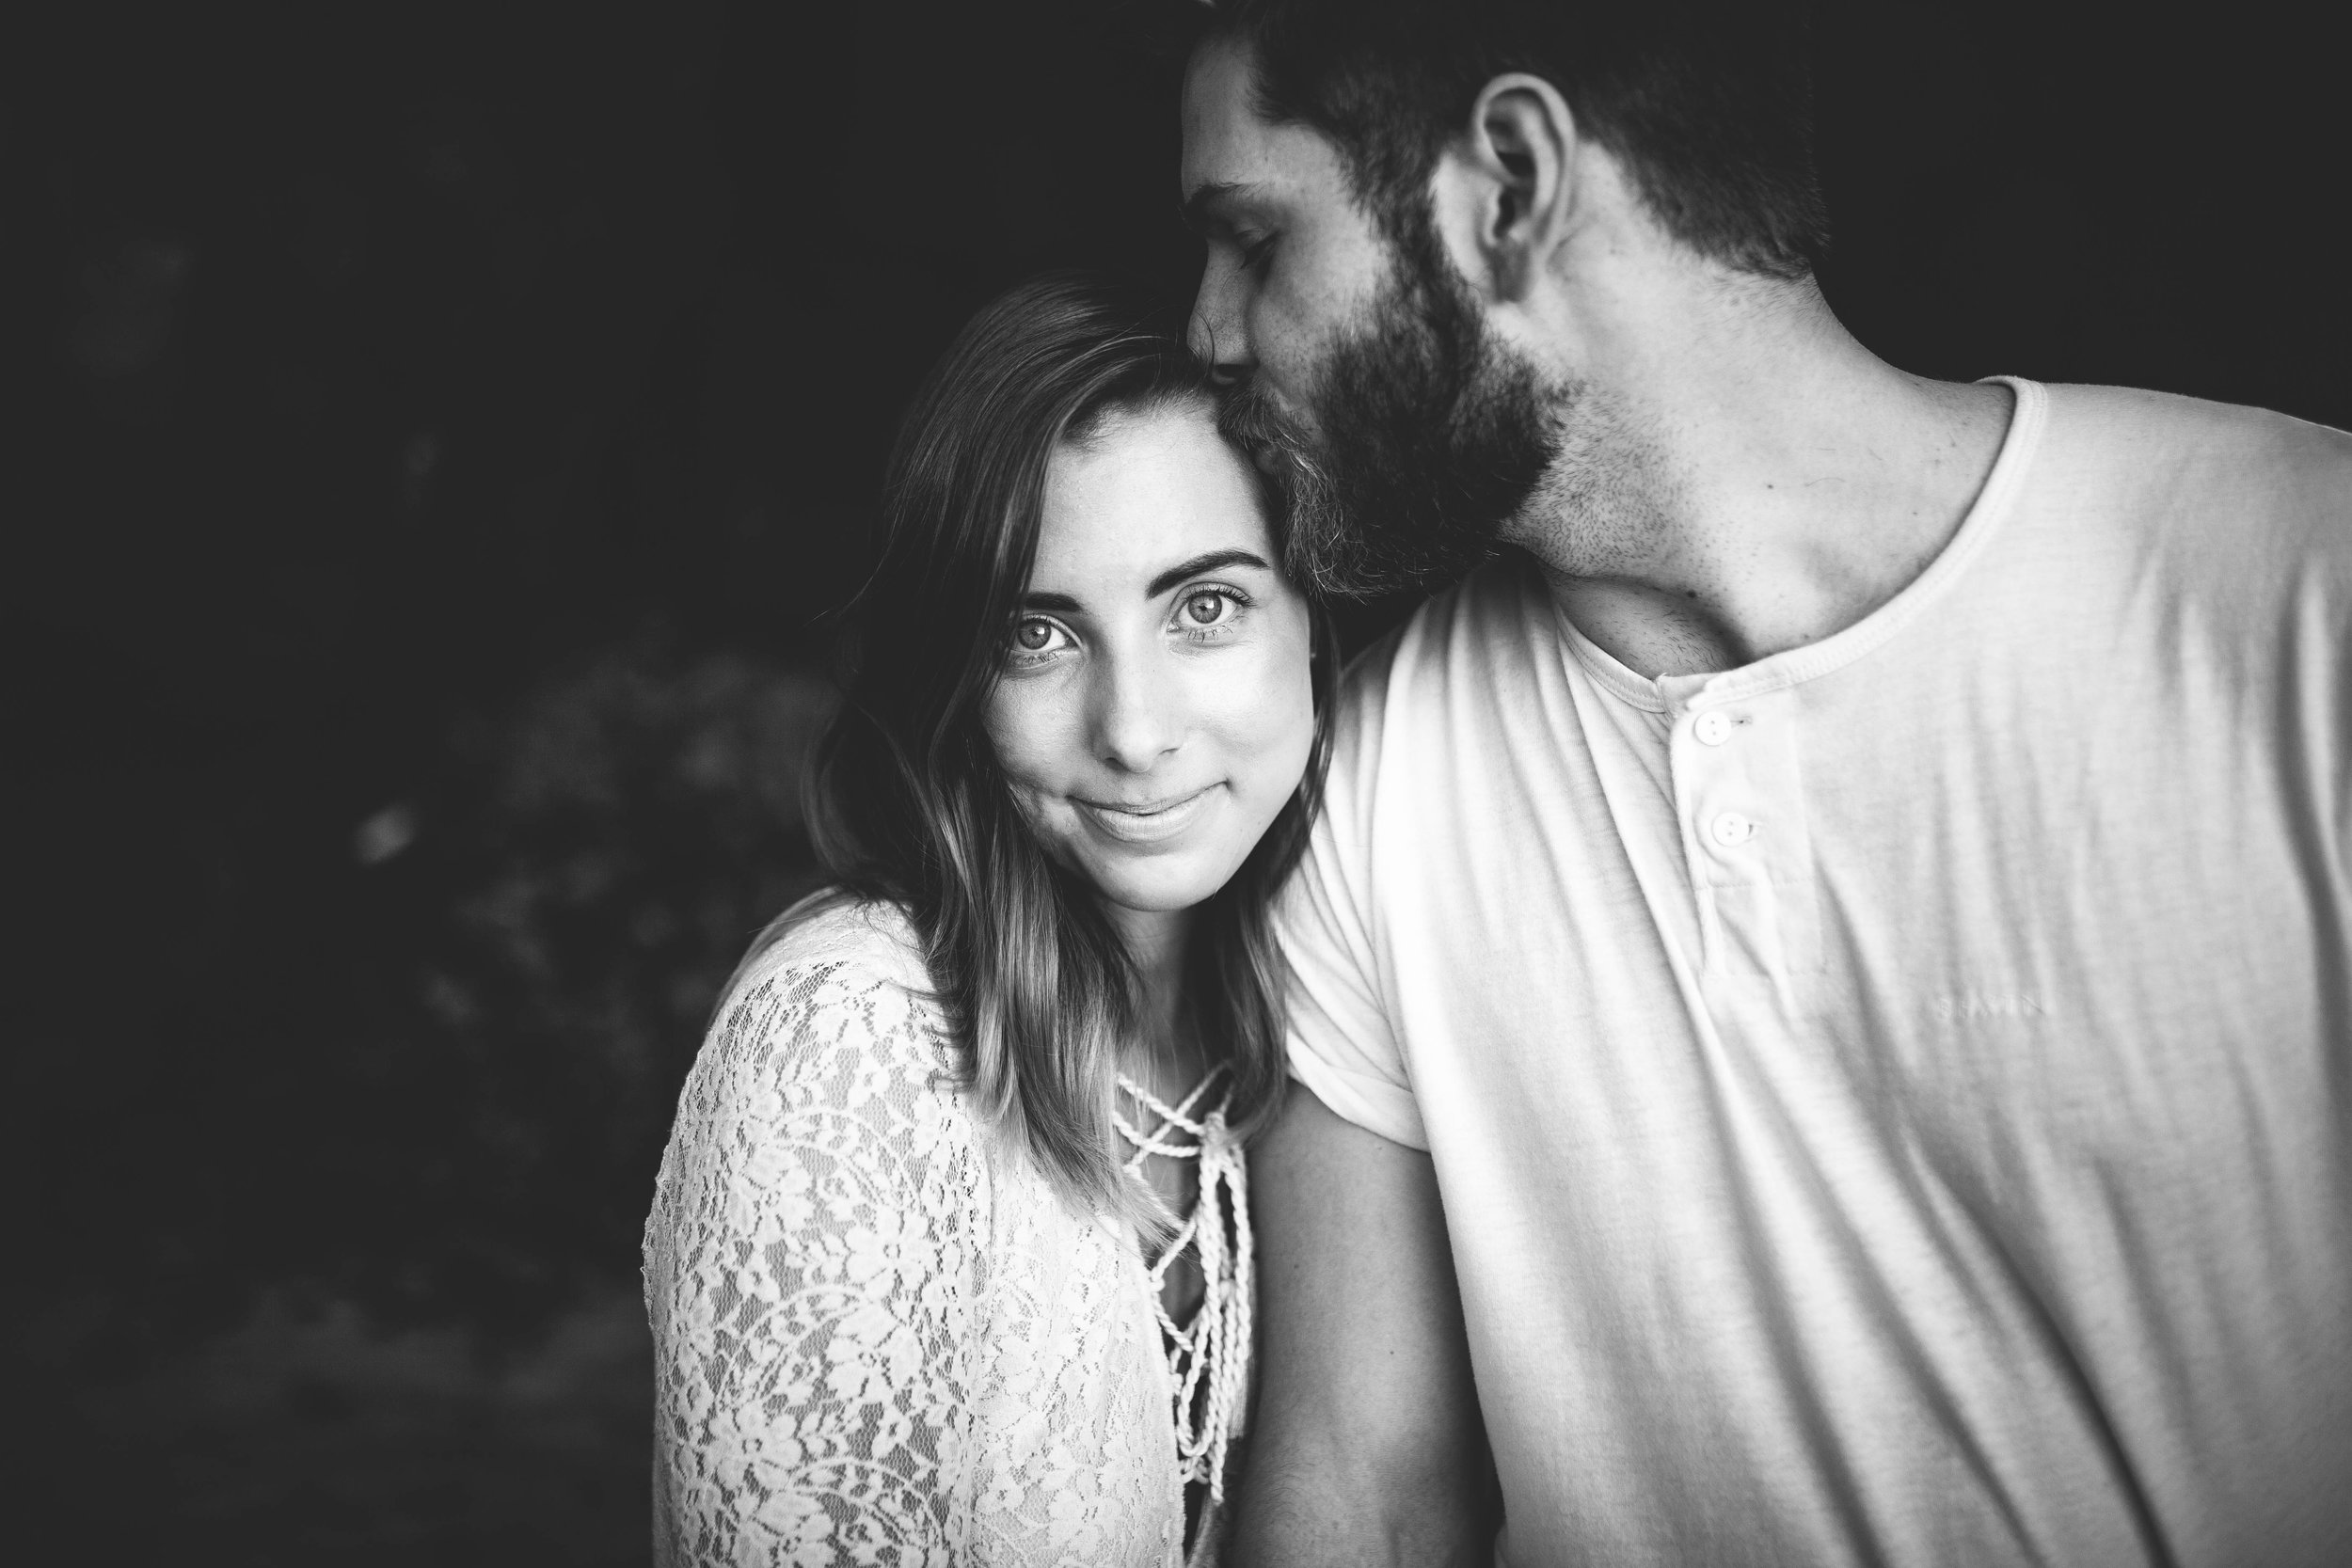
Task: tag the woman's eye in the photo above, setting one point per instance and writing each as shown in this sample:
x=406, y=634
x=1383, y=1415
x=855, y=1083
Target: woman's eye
x=1035, y=638
x=1208, y=606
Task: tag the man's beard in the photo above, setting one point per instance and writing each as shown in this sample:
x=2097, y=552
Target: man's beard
x=1427, y=437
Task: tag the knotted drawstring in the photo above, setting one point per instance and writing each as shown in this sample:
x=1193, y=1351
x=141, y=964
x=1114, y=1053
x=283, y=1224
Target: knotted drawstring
x=1217, y=1343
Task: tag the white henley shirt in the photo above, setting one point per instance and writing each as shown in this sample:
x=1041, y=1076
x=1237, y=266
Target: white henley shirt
x=1891, y=1101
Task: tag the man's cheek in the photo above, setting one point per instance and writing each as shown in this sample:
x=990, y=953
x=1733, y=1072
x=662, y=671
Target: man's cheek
x=1286, y=336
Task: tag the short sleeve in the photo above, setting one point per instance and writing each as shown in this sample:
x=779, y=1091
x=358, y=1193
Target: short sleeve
x=1341, y=1043
x=810, y=1268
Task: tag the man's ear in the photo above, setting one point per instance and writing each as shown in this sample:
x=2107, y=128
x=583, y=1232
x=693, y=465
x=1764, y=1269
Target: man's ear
x=1505, y=189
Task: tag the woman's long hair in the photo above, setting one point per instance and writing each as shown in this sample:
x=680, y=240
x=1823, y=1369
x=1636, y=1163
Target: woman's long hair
x=907, y=803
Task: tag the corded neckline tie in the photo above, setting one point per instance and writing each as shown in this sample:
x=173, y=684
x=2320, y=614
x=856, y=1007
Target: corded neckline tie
x=1216, y=1345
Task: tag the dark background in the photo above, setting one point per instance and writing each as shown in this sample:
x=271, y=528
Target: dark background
x=432, y=434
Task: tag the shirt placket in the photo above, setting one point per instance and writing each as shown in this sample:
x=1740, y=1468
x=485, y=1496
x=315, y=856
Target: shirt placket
x=1740, y=796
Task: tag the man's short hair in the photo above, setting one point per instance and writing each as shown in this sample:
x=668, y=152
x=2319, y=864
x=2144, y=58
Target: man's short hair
x=1708, y=103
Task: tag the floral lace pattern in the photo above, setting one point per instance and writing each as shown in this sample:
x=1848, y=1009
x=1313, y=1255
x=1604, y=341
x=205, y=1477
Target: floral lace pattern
x=876, y=1344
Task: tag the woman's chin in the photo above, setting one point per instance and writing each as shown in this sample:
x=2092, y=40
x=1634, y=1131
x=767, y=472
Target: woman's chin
x=1162, y=884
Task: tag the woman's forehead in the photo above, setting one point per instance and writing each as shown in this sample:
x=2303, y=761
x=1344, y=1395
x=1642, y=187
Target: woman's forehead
x=1146, y=491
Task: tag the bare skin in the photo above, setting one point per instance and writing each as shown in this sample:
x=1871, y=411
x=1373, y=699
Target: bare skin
x=1739, y=477
x=1366, y=1445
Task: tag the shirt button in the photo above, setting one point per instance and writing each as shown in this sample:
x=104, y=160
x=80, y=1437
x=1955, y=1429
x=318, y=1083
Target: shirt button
x=1730, y=828
x=1712, y=729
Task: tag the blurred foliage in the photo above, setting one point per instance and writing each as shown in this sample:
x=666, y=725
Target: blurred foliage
x=452, y=1154
x=582, y=880
x=312, y=1436
x=513, y=973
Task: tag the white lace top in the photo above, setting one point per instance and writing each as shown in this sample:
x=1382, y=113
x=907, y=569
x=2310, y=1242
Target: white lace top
x=874, y=1343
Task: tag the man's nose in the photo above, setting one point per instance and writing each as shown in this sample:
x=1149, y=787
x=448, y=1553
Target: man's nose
x=1214, y=333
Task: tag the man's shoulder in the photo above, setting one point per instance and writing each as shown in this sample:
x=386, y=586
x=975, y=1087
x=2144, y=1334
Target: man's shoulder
x=1495, y=616
x=2191, y=458
x=1424, y=711
x=2149, y=525
x=2126, y=411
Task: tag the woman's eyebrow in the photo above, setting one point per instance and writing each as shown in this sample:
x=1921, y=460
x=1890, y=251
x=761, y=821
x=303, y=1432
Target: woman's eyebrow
x=1200, y=563
x=1062, y=603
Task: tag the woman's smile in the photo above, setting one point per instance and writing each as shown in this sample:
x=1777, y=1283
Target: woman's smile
x=1152, y=822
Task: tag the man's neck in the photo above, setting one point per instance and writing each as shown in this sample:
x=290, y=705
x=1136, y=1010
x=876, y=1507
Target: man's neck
x=1743, y=477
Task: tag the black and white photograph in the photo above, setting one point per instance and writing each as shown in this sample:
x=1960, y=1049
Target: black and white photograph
x=1178, y=783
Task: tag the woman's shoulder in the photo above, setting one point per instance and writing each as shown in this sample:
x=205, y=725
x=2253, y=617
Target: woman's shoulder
x=820, y=1100
x=837, y=986
x=836, y=932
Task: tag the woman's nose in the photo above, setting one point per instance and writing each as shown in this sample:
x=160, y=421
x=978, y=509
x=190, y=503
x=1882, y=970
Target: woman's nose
x=1136, y=721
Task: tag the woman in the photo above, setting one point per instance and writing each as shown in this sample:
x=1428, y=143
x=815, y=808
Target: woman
x=949, y=1262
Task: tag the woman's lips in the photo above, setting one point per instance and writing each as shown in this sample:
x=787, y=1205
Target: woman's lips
x=1146, y=824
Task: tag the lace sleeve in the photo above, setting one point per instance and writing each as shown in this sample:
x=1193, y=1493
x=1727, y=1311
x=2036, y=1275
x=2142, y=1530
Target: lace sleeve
x=811, y=1260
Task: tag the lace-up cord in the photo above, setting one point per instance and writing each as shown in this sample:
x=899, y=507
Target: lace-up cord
x=1216, y=1345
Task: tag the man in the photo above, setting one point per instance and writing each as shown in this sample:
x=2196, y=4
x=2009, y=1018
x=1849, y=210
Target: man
x=1822, y=987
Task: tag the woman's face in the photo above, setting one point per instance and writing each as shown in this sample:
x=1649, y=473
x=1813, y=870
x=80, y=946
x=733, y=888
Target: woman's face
x=1155, y=709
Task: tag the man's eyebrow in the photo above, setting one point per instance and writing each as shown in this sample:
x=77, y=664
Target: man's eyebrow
x=1216, y=193
x=1200, y=563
